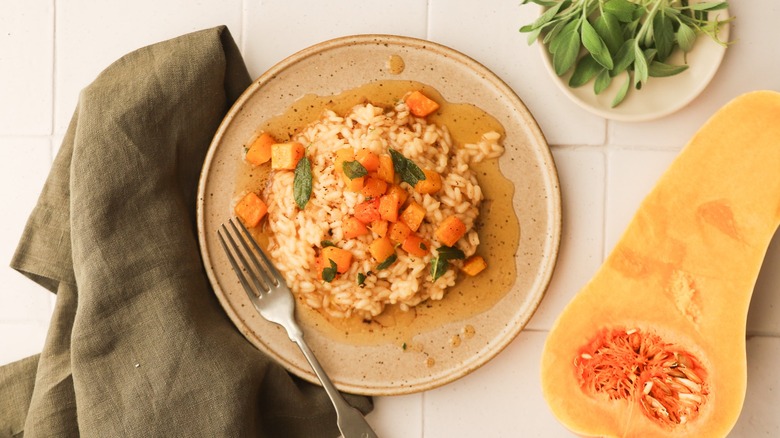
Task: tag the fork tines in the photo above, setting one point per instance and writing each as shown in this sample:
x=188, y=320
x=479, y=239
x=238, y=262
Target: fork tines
x=242, y=251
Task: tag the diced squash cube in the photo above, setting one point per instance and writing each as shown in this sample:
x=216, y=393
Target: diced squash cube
x=388, y=207
x=368, y=211
x=413, y=215
x=474, y=265
x=354, y=184
x=399, y=192
x=420, y=105
x=373, y=187
x=385, y=170
x=368, y=159
x=286, y=155
x=251, y=209
x=431, y=183
x=342, y=155
x=353, y=227
x=398, y=232
x=450, y=230
x=260, y=150
x=380, y=227
x=416, y=245
x=341, y=257
x=381, y=249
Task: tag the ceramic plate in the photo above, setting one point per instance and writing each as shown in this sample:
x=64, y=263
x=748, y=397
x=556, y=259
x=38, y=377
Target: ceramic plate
x=660, y=96
x=430, y=359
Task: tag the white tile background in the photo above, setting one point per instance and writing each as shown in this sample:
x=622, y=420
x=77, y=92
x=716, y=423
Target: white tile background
x=51, y=49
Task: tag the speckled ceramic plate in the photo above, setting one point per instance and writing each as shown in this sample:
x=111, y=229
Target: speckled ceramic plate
x=660, y=96
x=428, y=358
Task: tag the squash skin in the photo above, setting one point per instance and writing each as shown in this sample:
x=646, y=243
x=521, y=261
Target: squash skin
x=685, y=269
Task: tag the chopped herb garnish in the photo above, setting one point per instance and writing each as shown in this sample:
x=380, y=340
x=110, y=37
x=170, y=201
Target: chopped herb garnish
x=406, y=168
x=353, y=169
x=302, y=182
x=329, y=273
x=423, y=246
x=403, y=346
x=438, y=267
x=361, y=279
x=450, y=253
x=388, y=261
x=327, y=243
x=440, y=263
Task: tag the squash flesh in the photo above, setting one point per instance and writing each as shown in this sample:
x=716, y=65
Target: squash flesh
x=684, y=269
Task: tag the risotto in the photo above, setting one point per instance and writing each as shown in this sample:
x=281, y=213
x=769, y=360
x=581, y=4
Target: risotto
x=389, y=209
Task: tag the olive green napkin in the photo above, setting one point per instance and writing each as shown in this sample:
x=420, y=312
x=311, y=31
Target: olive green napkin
x=138, y=343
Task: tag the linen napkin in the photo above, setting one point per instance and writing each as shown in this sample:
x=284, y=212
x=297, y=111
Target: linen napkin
x=138, y=343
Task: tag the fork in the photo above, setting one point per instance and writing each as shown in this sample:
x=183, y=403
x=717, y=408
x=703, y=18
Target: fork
x=270, y=295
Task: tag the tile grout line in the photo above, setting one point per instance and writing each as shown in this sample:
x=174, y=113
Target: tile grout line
x=242, y=32
x=428, y=20
x=605, y=206
x=53, y=122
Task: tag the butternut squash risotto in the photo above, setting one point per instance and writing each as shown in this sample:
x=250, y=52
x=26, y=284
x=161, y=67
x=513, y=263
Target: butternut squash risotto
x=370, y=208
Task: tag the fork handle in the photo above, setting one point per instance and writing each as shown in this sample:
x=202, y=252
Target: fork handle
x=350, y=421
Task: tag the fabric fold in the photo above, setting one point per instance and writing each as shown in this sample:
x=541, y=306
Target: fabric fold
x=139, y=345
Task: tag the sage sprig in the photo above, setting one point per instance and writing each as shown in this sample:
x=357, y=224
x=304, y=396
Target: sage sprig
x=603, y=39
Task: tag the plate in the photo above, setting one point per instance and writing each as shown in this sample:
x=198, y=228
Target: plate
x=388, y=368
x=659, y=97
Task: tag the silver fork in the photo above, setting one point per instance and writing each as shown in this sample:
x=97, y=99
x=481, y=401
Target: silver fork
x=270, y=295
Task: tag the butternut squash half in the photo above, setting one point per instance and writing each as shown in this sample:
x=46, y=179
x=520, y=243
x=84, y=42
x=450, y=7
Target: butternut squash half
x=654, y=344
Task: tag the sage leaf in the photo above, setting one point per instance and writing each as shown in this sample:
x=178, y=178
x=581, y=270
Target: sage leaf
x=545, y=3
x=450, y=253
x=552, y=33
x=640, y=66
x=387, y=262
x=685, y=37
x=587, y=68
x=533, y=35
x=650, y=55
x=361, y=279
x=329, y=273
x=438, y=267
x=663, y=34
x=302, y=182
x=659, y=69
x=595, y=45
x=406, y=168
x=603, y=79
x=440, y=263
x=558, y=40
x=546, y=16
x=353, y=169
x=624, y=58
x=609, y=29
x=566, y=55
x=623, y=91
x=623, y=10
x=709, y=6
